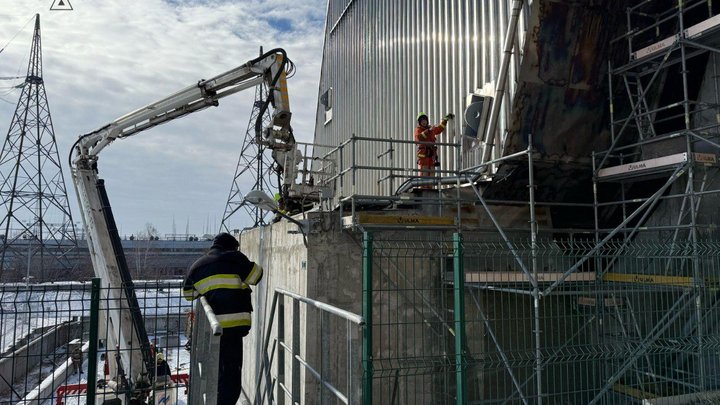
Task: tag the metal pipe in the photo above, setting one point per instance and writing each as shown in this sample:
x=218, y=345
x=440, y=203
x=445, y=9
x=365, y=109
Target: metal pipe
x=633, y=112
x=595, y=198
x=491, y=162
x=354, y=318
x=600, y=244
x=503, y=356
x=611, y=105
x=504, y=289
x=509, y=244
x=696, y=135
x=339, y=395
x=644, y=346
x=402, y=141
x=296, y=382
x=536, y=289
x=554, y=355
x=93, y=340
x=502, y=79
x=264, y=367
x=698, y=281
x=367, y=346
x=421, y=181
x=666, y=197
x=459, y=317
x=212, y=319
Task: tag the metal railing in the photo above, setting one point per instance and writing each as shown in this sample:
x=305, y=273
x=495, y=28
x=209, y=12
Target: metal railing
x=53, y=338
x=367, y=166
x=336, y=334
x=459, y=321
x=204, y=358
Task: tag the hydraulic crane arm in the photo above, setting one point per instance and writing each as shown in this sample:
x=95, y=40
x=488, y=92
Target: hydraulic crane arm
x=269, y=68
x=126, y=330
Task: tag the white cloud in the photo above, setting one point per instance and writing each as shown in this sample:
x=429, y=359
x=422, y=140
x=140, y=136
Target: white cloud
x=107, y=58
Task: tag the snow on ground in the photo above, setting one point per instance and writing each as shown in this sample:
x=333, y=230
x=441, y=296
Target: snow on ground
x=21, y=312
x=24, y=310
x=177, y=357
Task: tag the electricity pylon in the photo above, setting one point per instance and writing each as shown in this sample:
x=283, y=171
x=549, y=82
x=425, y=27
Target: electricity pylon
x=37, y=228
x=253, y=171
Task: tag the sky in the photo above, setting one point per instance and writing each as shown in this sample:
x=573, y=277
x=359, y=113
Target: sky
x=106, y=58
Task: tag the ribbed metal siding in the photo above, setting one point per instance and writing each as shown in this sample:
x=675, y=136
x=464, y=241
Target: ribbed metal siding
x=388, y=60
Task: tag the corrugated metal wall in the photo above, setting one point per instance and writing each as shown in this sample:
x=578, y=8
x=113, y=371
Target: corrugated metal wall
x=387, y=60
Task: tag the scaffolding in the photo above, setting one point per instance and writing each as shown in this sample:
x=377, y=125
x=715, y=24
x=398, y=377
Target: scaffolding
x=623, y=312
x=664, y=130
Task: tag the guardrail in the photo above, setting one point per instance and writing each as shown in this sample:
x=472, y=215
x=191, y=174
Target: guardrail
x=344, y=372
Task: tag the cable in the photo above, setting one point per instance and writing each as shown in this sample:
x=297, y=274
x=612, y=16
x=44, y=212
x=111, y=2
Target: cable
x=285, y=61
x=16, y=34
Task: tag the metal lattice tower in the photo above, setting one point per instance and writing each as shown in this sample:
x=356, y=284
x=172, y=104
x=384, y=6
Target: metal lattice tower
x=253, y=168
x=37, y=227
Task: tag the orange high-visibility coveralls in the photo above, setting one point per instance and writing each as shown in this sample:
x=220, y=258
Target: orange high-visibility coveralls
x=427, y=153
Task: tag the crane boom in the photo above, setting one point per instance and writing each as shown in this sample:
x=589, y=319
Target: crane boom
x=126, y=330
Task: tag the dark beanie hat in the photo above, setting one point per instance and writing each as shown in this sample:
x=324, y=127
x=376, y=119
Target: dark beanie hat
x=225, y=241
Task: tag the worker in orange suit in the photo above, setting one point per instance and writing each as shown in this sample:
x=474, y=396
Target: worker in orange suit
x=427, y=155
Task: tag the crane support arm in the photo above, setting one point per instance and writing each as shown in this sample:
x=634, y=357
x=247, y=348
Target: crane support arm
x=269, y=68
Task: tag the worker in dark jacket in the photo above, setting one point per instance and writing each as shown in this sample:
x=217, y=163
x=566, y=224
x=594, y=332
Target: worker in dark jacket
x=224, y=276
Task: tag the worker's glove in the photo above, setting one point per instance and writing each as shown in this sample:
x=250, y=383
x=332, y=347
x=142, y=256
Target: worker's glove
x=449, y=116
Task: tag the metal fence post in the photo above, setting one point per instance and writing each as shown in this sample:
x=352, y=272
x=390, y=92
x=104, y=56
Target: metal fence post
x=295, y=363
x=367, y=314
x=281, y=351
x=459, y=312
x=92, y=351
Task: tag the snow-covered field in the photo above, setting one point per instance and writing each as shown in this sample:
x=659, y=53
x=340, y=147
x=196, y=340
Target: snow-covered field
x=26, y=310
x=177, y=357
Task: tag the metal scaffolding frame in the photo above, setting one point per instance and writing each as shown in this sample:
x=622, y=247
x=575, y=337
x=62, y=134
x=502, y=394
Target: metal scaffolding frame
x=653, y=168
x=659, y=137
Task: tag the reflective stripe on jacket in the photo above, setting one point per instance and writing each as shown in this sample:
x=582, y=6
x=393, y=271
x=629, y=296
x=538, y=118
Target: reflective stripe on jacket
x=224, y=278
x=428, y=134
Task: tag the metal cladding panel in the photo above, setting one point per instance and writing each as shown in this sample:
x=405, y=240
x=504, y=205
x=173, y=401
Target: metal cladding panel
x=388, y=60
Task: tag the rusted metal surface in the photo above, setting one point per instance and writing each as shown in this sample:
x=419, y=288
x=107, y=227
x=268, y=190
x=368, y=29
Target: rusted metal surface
x=562, y=94
x=561, y=99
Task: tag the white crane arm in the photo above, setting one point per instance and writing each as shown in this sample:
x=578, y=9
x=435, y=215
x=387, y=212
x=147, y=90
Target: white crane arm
x=125, y=331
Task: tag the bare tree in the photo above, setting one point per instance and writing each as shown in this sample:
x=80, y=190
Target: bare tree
x=142, y=250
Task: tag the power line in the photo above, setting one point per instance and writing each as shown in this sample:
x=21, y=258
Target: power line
x=17, y=33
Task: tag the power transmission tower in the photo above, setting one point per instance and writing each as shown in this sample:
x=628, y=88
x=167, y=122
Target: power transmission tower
x=254, y=169
x=37, y=228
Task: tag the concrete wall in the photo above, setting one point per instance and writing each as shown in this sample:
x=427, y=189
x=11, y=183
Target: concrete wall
x=330, y=271
x=284, y=260
x=23, y=359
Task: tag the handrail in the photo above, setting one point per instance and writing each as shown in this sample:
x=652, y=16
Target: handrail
x=212, y=319
x=357, y=319
x=294, y=355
